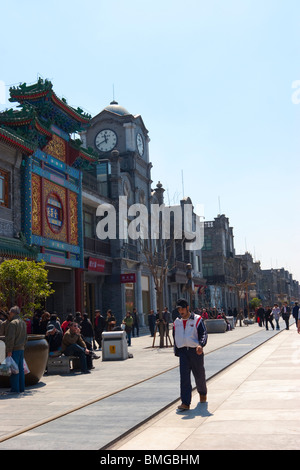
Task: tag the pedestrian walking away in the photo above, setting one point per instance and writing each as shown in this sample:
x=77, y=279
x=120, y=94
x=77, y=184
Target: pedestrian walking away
x=298, y=324
x=15, y=340
x=190, y=337
x=269, y=318
x=285, y=313
x=135, y=325
x=276, y=314
x=240, y=317
x=128, y=322
x=110, y=321
x=296, y=313
x=151, y=322
x=87, y=331
x=167, y=318
x=261, y=315
x=160, y=327
x=99, y=326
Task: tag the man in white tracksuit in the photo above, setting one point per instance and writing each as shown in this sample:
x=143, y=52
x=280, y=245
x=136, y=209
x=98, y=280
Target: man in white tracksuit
x=190, y=337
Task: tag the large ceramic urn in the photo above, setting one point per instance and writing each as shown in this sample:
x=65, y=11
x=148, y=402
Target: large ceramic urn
x=36, y=356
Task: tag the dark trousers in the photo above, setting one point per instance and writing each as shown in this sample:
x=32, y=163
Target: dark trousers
x=17, y=381
x=268, y=320
x=98, y=337
x=135, y=326
x=287, y=321
x=152, y=326
x=190, y=361
x=78, y=351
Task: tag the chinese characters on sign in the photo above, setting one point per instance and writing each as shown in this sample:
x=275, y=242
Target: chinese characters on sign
x=96, y=264
x=127, y=278
x=54, y=213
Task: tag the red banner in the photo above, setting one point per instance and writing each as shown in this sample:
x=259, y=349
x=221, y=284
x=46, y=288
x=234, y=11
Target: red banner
x=96, y=264
x=126, y=278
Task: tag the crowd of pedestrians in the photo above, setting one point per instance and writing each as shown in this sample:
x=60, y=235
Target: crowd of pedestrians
x=78, y=336
x=91, y=333
x=265, y=316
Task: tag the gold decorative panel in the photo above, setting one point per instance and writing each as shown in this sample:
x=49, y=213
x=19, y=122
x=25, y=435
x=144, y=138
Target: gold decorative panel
x=57, y=148
x=73, y=218
x=36, y=204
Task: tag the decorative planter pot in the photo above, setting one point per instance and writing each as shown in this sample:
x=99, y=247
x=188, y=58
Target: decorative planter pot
x=215, y=325
x=36, y=355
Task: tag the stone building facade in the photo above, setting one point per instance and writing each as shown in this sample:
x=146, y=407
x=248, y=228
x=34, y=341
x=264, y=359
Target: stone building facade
x=219, y=267
x=233, y=280
x=52, y=185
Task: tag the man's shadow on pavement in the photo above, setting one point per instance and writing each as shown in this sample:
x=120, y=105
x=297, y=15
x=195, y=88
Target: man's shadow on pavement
x=200, y=410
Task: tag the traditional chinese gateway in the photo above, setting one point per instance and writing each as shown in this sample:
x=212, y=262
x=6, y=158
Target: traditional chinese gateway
x=49, y=177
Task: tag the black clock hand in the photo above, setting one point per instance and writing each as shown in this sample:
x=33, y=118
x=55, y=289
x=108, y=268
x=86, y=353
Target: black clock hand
x=104, y=141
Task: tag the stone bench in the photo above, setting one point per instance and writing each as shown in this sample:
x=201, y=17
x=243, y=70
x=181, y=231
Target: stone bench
x=62, y=364
x=215, y=325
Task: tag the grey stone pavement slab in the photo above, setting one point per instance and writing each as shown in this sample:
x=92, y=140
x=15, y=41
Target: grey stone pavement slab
x=100, y=410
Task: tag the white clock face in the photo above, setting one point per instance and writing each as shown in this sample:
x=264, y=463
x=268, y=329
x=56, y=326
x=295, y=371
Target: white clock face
x=106, y=140
x=140, y=144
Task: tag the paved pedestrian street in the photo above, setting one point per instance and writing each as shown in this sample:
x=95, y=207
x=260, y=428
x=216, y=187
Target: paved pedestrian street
x=253, y=386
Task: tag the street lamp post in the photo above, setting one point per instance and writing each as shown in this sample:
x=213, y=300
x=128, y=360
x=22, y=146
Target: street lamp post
x=245, y=285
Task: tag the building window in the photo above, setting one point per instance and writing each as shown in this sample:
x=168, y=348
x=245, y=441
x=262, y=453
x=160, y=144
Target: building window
x=88, y=225
x=103, y=177
x=208, y=270
x=198, y=263
x=207, y=246
x=4, y=184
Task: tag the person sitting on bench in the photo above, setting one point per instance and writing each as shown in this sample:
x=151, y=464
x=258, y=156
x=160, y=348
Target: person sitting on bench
x=73, y=345
x=54, y=338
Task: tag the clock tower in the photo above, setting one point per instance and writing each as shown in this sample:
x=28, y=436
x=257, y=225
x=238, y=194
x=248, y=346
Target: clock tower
x=115, y=128
x=121, y=139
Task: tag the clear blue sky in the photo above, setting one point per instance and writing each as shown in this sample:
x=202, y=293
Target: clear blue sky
x=212, y=81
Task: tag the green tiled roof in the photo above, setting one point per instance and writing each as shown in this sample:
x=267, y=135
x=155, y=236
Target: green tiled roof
x=12, y=137
x=13, y=247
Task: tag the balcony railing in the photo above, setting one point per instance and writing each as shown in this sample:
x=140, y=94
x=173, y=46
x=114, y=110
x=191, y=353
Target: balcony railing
x=90, y=183
x=129, y=251
x=97, y=246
